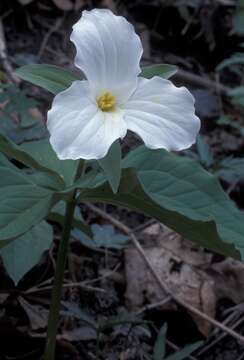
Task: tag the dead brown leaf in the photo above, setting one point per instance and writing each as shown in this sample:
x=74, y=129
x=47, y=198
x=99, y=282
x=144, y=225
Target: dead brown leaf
x=187, y=271
x=186, y=282
x=36, y=113
x=229, y=279
x=153, y=230
x=37, y=314
x=65, y=5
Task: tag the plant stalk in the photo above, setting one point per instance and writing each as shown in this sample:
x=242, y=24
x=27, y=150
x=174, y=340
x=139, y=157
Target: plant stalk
x=59, y=273
x=58, y=283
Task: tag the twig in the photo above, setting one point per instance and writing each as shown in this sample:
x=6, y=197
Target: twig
x=46, y=285
x=192, y=79
x=227, y=2
x=107, y=275
x=145, y=225
x=53, y=29
x=231, y=187
x=230, y=319
x=161, y=284
x=220, y=338
x=184, y=76
x=6, y=14
x=153, y=306
x=68, y=285
x=4, y=59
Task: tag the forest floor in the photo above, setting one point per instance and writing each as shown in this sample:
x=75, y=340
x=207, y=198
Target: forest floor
x=113, y=288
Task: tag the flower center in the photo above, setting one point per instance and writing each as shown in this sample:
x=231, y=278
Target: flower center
x=106, y=102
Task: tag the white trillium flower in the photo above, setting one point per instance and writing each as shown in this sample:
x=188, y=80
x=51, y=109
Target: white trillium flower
x=91, y=114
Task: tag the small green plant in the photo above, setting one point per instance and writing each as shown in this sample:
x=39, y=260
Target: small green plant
x=235, y=64
x=159, y=352
x=96, y=328
x=19, y=115
x=229, y=169
x=102, y=236
x=226, y=120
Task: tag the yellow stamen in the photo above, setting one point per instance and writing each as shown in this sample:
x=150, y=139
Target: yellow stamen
x=106, y=102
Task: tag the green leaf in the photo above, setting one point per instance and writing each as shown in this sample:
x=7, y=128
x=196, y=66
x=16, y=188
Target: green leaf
x=228, y=121
x=58, y=214
x=18, y=153
x=60, y=209
x=91, y=180
x=179, y=193
x=23, y=203
x=237, y=91
x=16, y=103
x=160, y=344
x=5, y=162
x=42, y=152
x=235, y=59
x=49, y=77
x=185, y=352
x=204, y=152
x=238, y=20
x=181, y=185
x=111, y=165
x=103, y=236
x=163, y=70
x=231, y=169
x=122, y=319
x=4, y=243
x=44, y=180
x=237, y=95
x=224, y=120
x=20, y=255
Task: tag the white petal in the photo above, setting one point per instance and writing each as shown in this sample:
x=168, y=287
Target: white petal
x=162, y=115
x=78, y=129
x=108, y=52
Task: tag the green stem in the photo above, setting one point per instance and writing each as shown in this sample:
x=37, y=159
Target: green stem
x=59, y=273
x=58, y=283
